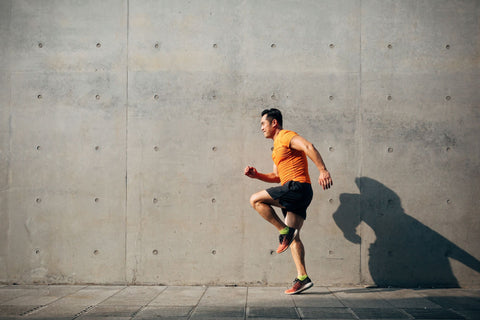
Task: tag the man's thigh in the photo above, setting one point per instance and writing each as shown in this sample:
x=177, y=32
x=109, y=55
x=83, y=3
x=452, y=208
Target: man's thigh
x=264, y=197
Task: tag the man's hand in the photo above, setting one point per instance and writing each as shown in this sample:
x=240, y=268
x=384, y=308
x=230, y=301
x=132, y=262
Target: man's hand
x=325, y=180
x=251, y=172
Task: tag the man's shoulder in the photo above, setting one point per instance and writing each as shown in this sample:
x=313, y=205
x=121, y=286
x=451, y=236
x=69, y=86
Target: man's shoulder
x=287, y=134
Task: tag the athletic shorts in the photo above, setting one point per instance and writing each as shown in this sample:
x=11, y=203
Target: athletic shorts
x=294, y=196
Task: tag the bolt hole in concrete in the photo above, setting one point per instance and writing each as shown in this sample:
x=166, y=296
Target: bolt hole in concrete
x=38, y=148
x=214, y=252
x=39, y=96
x=155, y=252
x=389, y=97
x=156, y=148
x=37, y=251
x=447, y=46
x=38, y=200
x=215, y=45
x=155, y=200
x=389, y=46
x=214, y=200
x=96, y=200
x=448, y=98
x=97, y=97
x=273, y=45
x=331, y=46
x=156, y=97
x=330, y=149
x=99, y=45
x=40, y=45
x=330, y=200
x=96, y=252
x=390, y=150
x=157, y=45
x=97, y=148
x=331, y=98
x=449, y=201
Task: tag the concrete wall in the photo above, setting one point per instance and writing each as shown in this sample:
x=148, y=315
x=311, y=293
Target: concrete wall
x=125, y=127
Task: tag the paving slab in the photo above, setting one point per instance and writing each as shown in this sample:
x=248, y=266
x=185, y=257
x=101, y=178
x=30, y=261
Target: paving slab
x=219, y=312
x=319, y=297
x=179, y=296
x=120, y=311
x=134, y=296
x=159, y=312
x=360, y=298
x=268, y=296
x=380, y=313
x=326, y=313
x=229, y=296
x=405, y=298
x=278, y=312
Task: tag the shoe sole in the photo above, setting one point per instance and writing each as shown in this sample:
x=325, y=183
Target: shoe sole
x=305, y=287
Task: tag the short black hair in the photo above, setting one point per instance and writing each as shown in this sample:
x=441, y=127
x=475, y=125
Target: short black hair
x=273, y=114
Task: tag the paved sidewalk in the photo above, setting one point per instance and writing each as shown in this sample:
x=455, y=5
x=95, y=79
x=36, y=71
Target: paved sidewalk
x=159, y=302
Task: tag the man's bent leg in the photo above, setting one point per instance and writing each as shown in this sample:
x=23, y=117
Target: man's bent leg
x=262, y=202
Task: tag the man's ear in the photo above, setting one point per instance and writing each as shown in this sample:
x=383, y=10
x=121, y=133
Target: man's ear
x=274, y=123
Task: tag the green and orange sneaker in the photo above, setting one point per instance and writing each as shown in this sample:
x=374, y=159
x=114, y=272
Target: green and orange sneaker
x=286, y=240
x=299, y=286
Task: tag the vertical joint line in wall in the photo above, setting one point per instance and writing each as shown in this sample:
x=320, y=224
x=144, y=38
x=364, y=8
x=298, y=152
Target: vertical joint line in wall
x=360, y=133
x=126, y=142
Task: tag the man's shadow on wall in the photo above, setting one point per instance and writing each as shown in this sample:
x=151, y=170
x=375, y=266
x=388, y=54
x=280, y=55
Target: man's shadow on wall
x=406, y=253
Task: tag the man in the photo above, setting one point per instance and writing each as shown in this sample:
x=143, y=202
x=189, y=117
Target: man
x=290, y=169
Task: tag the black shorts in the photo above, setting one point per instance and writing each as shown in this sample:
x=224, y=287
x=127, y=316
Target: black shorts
x=294, y=196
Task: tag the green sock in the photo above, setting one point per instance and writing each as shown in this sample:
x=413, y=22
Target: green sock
x=284, y=230
x=301, y=278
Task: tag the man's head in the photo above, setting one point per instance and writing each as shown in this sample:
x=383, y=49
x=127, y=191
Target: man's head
x=271, y=122
x=273, y=114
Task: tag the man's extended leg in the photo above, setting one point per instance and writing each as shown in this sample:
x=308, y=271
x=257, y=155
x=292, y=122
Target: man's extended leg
x=302, y=282
x=298, y=251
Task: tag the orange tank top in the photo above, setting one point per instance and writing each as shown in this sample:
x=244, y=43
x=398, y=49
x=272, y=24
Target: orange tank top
x=291, y=164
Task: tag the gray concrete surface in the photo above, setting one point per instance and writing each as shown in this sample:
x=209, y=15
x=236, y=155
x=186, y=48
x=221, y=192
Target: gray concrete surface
x=125, y=126
x=202, y=302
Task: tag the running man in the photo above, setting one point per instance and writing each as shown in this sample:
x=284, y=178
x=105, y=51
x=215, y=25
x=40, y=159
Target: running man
x=290, y=169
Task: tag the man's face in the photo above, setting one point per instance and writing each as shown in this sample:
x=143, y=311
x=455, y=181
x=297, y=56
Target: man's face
x=268, y=128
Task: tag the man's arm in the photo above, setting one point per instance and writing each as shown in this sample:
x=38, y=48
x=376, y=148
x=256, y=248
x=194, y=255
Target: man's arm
x=301, y=144
x=266, y=177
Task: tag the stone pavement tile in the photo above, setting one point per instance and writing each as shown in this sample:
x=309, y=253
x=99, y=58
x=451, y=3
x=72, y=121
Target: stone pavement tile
x=360, y=298
x=317, y=297
x=109, y=311
x=39, y=295
x=325, y=313
x=405, y=298
x=379, y=313
x=158, y=312
x=272, y=312
x=418, y=313
x=218, y=312
x=224, y=296
x=55, y=312
x=179, y=296
x=268, y=296
x=88, y=296
x=134, y=296
x=12, y=292
x=16, y=310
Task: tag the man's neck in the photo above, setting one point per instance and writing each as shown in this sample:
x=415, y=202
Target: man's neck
x=276, y=133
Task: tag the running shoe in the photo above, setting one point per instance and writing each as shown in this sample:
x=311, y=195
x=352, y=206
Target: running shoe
x=299, y=286
x=285, y=240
